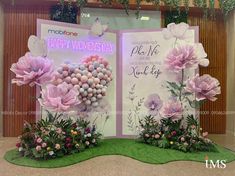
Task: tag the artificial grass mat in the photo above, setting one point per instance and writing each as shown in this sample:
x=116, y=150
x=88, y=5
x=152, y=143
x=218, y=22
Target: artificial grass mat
x=125, y=147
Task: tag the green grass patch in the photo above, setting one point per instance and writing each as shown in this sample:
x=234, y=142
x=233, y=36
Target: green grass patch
x=125, y=147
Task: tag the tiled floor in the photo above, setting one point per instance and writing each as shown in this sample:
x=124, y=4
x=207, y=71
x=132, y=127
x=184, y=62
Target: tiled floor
x=115, y=166
x=227, y=141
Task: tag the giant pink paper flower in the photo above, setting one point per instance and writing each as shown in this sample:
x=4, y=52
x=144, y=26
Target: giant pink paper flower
x=172, y=109
x=205, y=87
x=32, y=70
x=59, y=98
x=181, y=58
x=175, y=30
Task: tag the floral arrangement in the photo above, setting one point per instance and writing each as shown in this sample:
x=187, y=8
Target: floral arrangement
x=67, y=89
x=171, y=124
x=54, y=137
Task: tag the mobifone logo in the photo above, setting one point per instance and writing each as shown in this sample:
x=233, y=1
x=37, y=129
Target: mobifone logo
x=212, y=164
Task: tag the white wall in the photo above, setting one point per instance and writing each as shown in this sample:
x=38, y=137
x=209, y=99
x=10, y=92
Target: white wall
x=231, y=73
x=1, y=63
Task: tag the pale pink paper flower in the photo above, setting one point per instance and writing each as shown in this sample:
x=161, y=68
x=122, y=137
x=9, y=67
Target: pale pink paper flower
x=172, y=109
x=59, y=98
x=153, y=103
x=32, y=70
x=177, y=31
x=181, y=58
x=204, y=87
x=201, y=54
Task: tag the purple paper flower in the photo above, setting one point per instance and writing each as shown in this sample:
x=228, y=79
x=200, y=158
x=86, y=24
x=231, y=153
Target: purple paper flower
x=32, y=70
x=181, y=58
x=153, y=103
x=172, y=109
x=175, y=30
x=205, y=87
x=59, y=98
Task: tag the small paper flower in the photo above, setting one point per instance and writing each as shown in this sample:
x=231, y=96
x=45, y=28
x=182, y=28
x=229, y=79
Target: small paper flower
x=177, y=31
x=38, y=148
x=44, y=145
x=39, y=140
x=51, y=153
x=57, y=146
x=154, y=104
x=205, y=87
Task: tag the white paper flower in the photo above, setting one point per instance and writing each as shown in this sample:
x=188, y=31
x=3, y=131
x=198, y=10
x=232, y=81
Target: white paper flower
x=201, y=55
x=177, y=31
x=51, y=153
x=37, y=47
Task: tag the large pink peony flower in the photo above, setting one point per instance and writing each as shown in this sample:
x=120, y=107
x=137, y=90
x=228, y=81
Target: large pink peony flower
x=181, y=58
x=205, y=87
x=175, y=30
x=59, y=98
x=172, y=109
x=32, y=70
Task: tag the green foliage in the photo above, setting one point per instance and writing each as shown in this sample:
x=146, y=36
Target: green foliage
x=64, y=12
x=172, y=134
x=227, y=6
x=175, y=16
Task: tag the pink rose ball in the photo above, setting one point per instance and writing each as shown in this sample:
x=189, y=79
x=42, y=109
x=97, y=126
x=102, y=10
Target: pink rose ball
x=68, y=79
x=77, y=87
x=84, y=78
x=65, y=67
x=85, y=86
x=90, y=95
x=59, y=81
x=93, y=99
x=99, y=96
x=74, y=81
x=73, y=75
x=60, y=70
x=88, y=102
x=89, y=90
x=89, y=75
x=96, y=80
x=100, y=75
x=81, y=90
x=90, y=81
x=78, y=75
x=65, y=73
x=103, y=82
x=98, y=69
x=84, y=93
x=76, y=71
x=91, y=67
